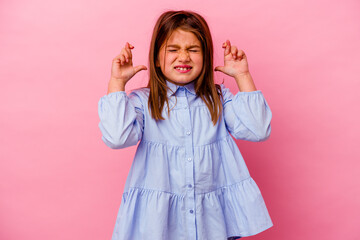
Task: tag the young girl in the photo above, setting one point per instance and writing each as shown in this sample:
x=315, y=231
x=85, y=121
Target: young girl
x=188, y=180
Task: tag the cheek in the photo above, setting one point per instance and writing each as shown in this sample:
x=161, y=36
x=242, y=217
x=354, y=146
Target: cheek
x=167, y=61
x=199, y=60
x=170, y=57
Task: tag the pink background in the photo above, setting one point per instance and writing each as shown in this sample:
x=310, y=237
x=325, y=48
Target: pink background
x=59, y=181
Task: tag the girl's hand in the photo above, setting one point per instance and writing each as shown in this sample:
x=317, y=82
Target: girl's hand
x=235, y=61
x=122, y=66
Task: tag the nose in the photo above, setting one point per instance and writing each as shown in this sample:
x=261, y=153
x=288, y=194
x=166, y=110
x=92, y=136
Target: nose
x=184, y=56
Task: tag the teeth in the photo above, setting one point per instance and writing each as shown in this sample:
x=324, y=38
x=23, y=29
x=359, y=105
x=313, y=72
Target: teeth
x=182, y=69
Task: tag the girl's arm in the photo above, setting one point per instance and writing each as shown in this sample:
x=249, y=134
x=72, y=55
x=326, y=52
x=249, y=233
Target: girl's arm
x=247, y=115
x=121, y=116
x=121, y=119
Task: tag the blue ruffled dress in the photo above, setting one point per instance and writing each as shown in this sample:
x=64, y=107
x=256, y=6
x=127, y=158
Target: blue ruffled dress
x=188, y=179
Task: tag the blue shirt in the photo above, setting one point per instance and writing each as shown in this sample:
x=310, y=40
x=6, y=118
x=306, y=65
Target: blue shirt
x=188, y=179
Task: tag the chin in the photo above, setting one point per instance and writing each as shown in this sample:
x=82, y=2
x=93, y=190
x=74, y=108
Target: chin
x=183, y=82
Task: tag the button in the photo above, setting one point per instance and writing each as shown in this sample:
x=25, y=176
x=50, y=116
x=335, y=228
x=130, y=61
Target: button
x=191, y=211
x=190, y=186
x=188, y=133
x=189, y=159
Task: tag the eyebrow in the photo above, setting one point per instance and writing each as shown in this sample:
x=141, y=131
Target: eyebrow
x=177, y=46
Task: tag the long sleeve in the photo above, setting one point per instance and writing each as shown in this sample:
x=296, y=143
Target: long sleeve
x=121, y=119
x=247, y=115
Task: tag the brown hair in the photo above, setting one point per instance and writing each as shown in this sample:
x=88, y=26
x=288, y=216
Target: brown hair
x=205, y=87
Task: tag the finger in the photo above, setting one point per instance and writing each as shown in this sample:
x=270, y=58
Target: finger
x=240, y=56
x=234, y=51
x=127, y=55
x=122, y=60
x=116, y=59
x=219, y=68
x=139, y=68
x=128, y=45
x=128, y=50
x=240, y=53
x=227, y=47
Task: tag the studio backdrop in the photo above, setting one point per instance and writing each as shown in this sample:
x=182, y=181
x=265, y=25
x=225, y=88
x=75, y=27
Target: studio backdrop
x=59, y=181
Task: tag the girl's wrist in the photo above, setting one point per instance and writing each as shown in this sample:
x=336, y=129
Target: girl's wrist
x=245, y=82
x=242, y=75
x=116, y=85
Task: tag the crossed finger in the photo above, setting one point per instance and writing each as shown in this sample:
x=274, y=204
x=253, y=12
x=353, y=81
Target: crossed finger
x=125, y=56
x=230, y=49
x=127, y=52
x=235, y=52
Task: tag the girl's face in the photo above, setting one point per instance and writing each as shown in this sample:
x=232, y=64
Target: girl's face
x=181, y=58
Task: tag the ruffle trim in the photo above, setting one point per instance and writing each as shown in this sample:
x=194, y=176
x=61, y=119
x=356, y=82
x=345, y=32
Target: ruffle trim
x=235, y=210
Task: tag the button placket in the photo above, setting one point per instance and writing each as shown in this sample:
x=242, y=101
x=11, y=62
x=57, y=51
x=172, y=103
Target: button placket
x=189, y=170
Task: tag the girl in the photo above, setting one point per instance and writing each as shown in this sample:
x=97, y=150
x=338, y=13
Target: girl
x=188, y=179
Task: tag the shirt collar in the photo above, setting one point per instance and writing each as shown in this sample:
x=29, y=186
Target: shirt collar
x=190, y=87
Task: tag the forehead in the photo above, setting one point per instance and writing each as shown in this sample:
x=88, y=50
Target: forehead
x=182, y=38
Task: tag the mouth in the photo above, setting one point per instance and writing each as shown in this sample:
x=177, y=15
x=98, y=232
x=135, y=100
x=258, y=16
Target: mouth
x=183, y=68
